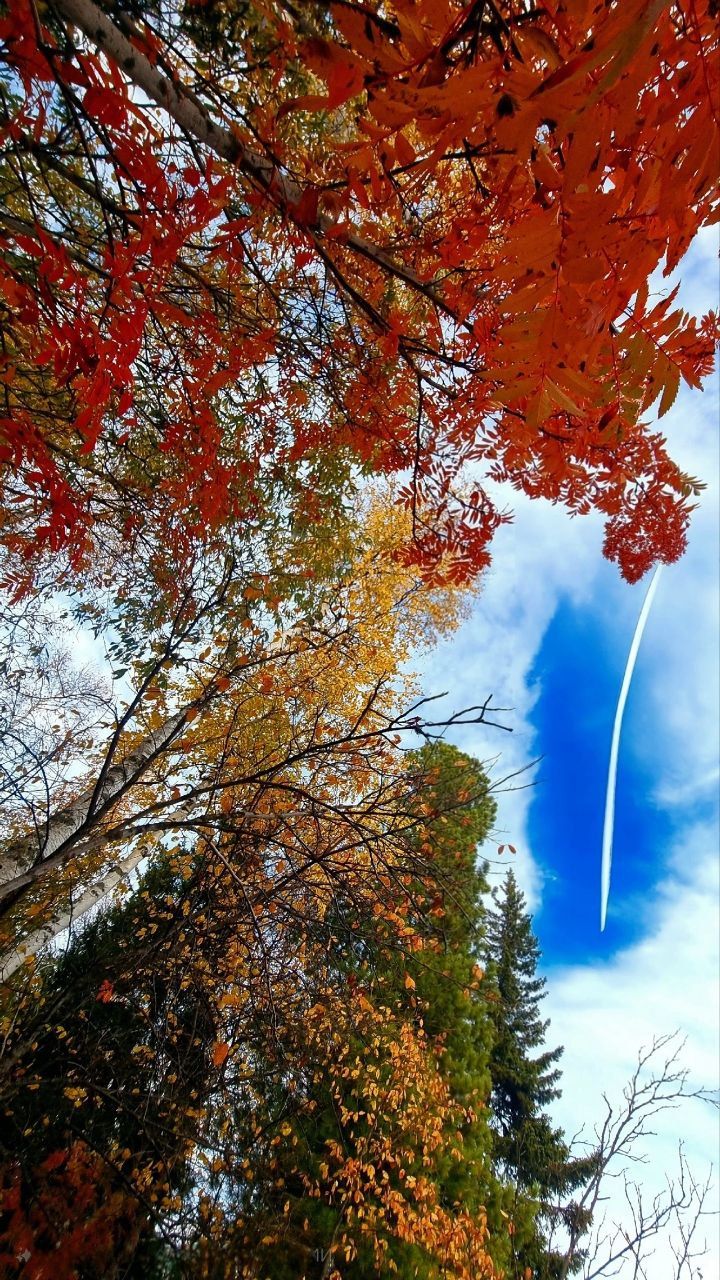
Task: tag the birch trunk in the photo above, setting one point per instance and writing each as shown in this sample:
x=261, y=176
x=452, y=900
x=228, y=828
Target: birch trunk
x=28, y=858
x=34, y=943
x=182, y=106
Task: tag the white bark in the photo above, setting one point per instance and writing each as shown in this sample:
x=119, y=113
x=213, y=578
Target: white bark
x=185, y=110
x=31, y=945
x=22, y=859
x=189, y=114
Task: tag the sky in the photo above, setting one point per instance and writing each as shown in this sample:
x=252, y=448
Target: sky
x=549, y=637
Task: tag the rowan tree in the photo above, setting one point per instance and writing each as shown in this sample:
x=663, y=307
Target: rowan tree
x=259, y=244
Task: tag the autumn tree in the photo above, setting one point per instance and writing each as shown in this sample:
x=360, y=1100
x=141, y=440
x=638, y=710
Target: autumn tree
x=256, y=245
x=275, y=792
x=194, y=1066
x=152, y=1126
x=240, y=729
x=367, y=1195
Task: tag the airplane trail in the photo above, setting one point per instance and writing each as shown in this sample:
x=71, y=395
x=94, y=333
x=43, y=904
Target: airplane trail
x=614, y=746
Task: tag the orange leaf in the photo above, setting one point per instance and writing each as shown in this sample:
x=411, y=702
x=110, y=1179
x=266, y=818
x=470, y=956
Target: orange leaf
x=404, y=151
x=219, y=1053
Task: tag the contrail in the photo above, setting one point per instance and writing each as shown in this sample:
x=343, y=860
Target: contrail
x=612, y=769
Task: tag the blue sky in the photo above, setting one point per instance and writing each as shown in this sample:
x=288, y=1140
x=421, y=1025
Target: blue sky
x=579, y=670
x=549, y=637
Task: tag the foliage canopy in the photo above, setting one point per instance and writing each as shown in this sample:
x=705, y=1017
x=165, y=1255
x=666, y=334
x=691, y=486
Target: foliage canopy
x=255, y=247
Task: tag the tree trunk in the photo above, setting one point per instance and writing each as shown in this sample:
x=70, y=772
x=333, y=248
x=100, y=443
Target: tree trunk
x=30, y=857
x=182, y=106
x=75, y=911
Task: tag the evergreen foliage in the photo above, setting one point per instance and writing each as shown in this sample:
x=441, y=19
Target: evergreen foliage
x=530, y=1154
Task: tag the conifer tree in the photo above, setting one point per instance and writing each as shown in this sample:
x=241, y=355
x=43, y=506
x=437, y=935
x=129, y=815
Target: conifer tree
x=530, y=1153
x=458, y=814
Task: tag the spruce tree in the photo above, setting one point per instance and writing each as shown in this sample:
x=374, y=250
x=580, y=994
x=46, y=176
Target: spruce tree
x=530, y=1153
